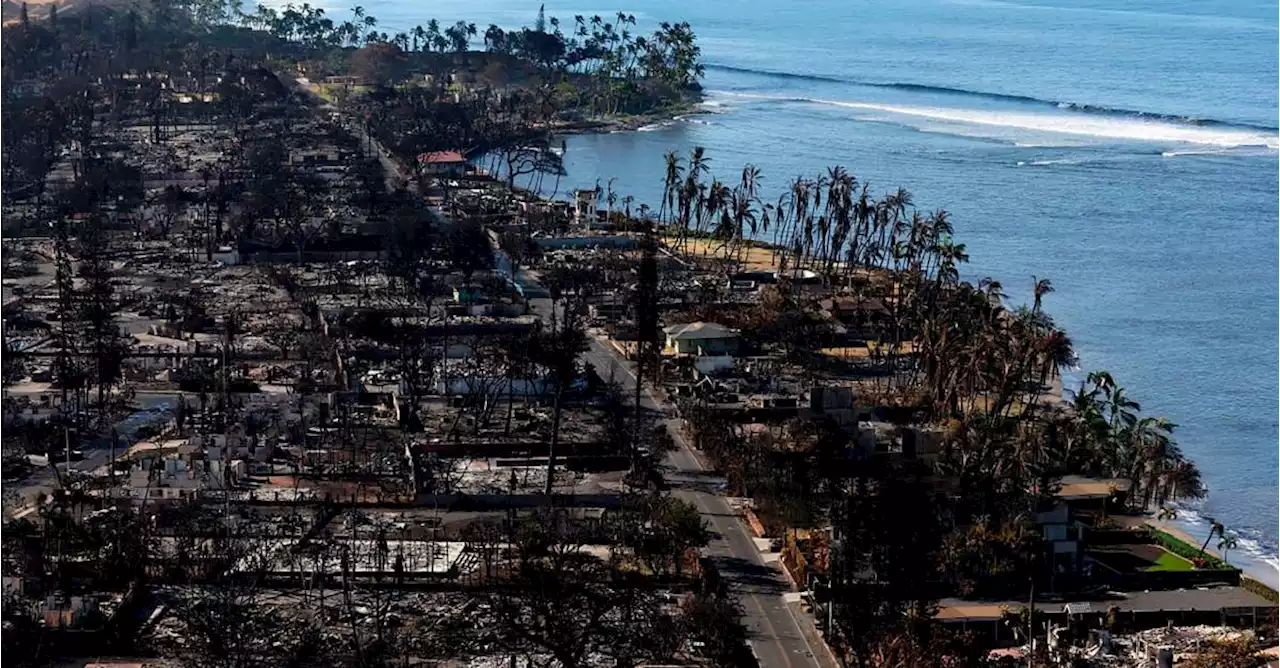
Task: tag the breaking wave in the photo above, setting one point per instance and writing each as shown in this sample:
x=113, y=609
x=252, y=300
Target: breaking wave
x=1043, y=163
x=1095, y=109
x=660, y=125
x=1251, y=543
x=1131, y=129
x=690, y=119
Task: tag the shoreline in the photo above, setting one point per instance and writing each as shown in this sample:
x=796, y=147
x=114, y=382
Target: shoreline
x=1257, y=566
x=606, y=125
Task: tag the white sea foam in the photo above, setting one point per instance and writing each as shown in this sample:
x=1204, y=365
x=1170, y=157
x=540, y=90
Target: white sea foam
x=1042, y=163
x=1065, y=122
x=1044, y=144
x=1174, y=154
x=1108, y=128
x=661, y=125
x=1256, y=550
x=1250, y=553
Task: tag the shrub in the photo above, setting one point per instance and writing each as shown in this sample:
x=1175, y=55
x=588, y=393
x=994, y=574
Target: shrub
x=1260, y=589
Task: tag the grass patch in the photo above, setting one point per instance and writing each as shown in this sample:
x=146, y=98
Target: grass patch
x=1186, y=550
x=1169, y=562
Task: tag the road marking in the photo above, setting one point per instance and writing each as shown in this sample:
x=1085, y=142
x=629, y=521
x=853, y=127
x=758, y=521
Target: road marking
x=773, y=632
x=688, y=451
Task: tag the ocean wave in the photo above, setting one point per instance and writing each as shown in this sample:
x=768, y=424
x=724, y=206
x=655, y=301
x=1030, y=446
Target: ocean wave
x=1257, y=550
x=1252, y=542
x=664, y=124
x=1130, y=129
x=1097, y=109
x=1041, y=144
x=1174, y=154
x=1188, y=19
x=1044, y=163
x=651, y=127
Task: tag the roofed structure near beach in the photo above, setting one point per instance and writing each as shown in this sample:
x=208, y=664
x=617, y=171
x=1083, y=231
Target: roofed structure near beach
x=1081, y=487
x=442, y=162
x=699, y=330
x=441, y=157
x=701, y=338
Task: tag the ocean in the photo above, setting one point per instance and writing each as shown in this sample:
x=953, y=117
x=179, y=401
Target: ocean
x=1127, y=151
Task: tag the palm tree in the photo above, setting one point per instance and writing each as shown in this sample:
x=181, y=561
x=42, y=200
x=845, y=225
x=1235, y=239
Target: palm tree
x=433, y=36
x=670, y=184
x=1226, y=544
x=1215, y=529
x=495, y=39
x=348, y=34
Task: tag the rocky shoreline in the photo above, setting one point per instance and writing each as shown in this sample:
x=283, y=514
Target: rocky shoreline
x=630, y=123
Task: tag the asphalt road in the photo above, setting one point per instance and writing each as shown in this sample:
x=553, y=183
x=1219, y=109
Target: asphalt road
x=153, y=409
x=390, y=170
x=776, y=634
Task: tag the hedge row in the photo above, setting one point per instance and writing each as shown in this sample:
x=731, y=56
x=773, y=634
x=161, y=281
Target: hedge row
x=1260, y=589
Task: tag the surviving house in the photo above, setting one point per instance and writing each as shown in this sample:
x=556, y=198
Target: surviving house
x=701, y=338
x=1086, y=494
x=442, y=163
x=1062, y=533
x=854, y=311
x=584, y=205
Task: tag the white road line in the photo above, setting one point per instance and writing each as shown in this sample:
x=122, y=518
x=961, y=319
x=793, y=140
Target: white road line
x=791, y=615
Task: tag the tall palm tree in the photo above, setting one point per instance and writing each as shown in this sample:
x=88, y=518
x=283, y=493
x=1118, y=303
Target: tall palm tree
x=1226, y=544
x=670, y=183
x=433, y=36
x=1215, y=529
x=495, y=39
x=347, y=33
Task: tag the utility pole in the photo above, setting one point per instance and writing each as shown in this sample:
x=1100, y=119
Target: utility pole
x=1031, y=616
x=115, y=438
x=831, y=609
x=4, y=341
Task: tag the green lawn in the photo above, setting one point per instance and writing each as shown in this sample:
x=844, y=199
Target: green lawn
x=1169, y=561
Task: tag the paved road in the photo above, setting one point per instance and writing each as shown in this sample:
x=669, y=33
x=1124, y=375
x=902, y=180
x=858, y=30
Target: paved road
x=154, y=409
x=777, y=637
x=391, y=171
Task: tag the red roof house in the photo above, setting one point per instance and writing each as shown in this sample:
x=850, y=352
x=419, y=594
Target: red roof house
x=442, y=162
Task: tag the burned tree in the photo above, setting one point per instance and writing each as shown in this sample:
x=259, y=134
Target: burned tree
x=98, y=310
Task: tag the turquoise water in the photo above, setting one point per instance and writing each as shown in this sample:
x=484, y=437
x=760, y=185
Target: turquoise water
x=1125, y=150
